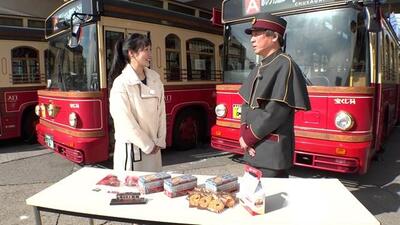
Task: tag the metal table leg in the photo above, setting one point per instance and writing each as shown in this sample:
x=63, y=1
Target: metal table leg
x=91, y=222
x=36, y=213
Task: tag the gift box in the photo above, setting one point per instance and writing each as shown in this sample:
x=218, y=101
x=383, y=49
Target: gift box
x=252, y=195
x=152, y=183
x=180, y=185
x=226, y=183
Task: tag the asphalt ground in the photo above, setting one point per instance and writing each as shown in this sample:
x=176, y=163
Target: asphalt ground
x=28, y=169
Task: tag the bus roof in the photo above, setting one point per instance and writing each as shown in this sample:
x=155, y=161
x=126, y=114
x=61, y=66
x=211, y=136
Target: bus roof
x=59, y=20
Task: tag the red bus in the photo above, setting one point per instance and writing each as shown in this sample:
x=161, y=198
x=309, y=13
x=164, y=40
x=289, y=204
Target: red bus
x=73, y=109
x=22, y=69
x=350, y=58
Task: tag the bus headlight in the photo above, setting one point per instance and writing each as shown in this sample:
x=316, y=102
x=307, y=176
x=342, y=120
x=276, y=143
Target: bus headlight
x=50, y=110
x=220, y=110
x=344, y=121
x=37, y=110
x=73, y=119
x=43, y=110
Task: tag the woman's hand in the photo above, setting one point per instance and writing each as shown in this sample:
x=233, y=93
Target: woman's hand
x=155, y=149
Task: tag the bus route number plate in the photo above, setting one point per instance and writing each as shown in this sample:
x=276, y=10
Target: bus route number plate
x=237, y=111
x=49, y=141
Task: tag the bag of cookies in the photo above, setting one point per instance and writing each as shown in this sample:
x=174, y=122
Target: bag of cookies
x=252, y=195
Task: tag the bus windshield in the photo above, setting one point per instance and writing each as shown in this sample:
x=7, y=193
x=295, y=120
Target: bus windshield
x=329, y=46
x=74, y=69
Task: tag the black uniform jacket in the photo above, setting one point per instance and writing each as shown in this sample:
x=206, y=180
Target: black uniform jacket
x=271, y=94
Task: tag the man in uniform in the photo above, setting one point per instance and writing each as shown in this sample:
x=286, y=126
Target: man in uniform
x=272, y=92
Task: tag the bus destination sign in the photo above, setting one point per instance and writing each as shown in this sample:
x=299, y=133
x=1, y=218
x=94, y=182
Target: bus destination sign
x=239, y=9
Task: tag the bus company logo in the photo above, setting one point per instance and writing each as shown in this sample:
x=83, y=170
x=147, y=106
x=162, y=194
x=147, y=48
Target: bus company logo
x=252, y=6
x=345, y=101
x=168, y=98
x=74, y=106
x=12, y=98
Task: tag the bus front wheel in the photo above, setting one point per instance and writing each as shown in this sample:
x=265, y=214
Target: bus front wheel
x=188, y=130
x=29, y=121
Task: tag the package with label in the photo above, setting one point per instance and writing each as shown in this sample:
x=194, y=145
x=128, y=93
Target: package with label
x=252, y=195
x=110, y=180
x=152, y=183
x=128, y=198
x=131, y=181
x=227, y=183
x=179, y=185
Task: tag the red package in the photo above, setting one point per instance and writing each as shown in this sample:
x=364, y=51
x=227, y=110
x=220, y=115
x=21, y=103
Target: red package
x=110, y=180
x=131, y=181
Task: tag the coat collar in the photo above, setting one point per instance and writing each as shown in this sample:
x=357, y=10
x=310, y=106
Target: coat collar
x=271, y=57
x=146, y=91
x=130, y=74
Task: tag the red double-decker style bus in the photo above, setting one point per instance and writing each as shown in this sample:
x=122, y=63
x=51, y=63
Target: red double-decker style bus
x=22, y=69
x=350, y=57
x=73, y=109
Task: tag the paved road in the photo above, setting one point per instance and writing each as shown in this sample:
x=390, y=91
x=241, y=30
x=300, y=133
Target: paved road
x=27, y=169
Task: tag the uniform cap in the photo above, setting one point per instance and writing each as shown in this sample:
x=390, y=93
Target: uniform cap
x=267, y=21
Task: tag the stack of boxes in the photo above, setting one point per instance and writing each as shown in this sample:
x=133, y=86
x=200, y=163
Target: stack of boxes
x=152, y=183
x=226, y=183
x=179, y=185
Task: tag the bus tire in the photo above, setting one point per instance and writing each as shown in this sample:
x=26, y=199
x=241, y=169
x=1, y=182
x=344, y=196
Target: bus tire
x=189, y=130
x=28, y=127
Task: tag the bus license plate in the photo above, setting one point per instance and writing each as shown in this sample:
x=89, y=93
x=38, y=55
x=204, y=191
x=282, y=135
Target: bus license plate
x=49, y=141
x=237, y=111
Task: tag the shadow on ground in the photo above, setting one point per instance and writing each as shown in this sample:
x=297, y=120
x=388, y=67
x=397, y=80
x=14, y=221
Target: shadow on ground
x=379, y=189
x=10, y=145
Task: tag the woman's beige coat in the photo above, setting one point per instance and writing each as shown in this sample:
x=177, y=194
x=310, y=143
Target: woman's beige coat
x=138, y=111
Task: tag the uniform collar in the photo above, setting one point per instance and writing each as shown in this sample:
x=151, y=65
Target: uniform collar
x=269, y=58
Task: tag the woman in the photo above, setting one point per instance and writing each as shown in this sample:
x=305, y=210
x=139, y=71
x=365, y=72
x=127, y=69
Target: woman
x=137, y=107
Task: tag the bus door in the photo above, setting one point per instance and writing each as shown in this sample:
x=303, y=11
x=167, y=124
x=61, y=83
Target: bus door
x=111, y=36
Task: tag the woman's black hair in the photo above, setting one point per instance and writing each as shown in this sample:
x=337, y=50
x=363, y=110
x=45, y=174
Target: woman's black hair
x=136, y=42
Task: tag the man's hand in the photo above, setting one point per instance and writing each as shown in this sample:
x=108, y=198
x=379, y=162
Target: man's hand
x=252, y=151
x=243, y=144
x=245, y=147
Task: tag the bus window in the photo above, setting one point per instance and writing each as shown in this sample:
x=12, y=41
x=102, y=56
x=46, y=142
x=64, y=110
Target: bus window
x=111, y=39
x=240, y=57
x=76, y=68
x=200, y=59
x=25, y=65
x=173, y=58
x=327, y=59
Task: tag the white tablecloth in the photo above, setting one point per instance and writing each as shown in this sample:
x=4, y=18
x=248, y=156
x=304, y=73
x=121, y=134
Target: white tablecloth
x=289, y=201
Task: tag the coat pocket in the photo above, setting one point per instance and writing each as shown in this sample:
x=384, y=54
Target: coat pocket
x=134, y=152
x=272, y=138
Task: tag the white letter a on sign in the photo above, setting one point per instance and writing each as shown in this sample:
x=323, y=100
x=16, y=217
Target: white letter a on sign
x=252, y=7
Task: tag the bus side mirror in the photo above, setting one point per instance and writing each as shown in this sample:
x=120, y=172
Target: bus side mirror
x=74, y=39
x=372, y=19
